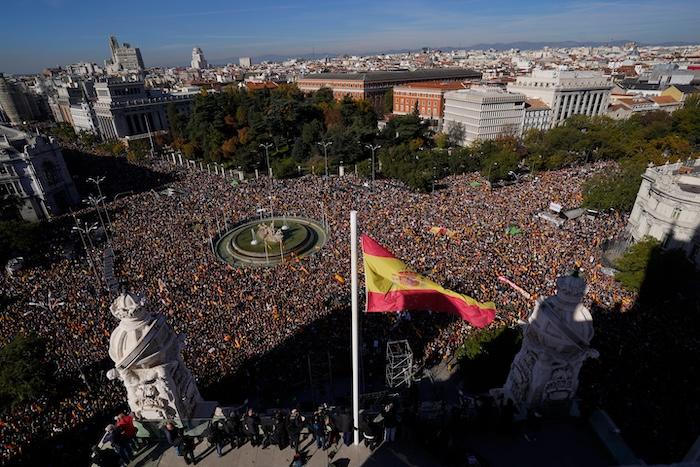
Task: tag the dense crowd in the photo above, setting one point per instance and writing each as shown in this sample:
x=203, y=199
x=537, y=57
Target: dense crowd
x=234, y=315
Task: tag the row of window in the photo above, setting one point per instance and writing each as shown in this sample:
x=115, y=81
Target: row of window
x=7, y=170
x=11, y=188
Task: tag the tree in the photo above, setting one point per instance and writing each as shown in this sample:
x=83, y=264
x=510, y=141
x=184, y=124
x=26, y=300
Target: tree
x=456, y=133
x=25, y=373
x=632, y=265
x=614, y=190
x=18, y=237
x=389, y=101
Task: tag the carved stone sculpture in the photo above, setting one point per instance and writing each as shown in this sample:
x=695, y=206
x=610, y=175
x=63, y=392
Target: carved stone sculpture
x=146, y=353
x=556, y=340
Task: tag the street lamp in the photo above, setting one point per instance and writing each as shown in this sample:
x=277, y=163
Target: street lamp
x=267, y=147
x=372, y=147
x=434, y=168
x=488, y=177
x=95, y=201
x=85, y=230
x=50, y=304
x=325, y=152
x=97, y=181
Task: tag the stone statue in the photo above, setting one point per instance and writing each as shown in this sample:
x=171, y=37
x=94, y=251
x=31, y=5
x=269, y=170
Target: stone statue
x=556, y=340
x=269, y=234
x=146, y=353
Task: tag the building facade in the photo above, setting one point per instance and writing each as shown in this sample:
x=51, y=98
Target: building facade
x=83, y=117
x=16, y=103
x=567, y=93
x=245, y=62
x=427, y=97
x=668, y=207
x=32, y=169
x=124, y=57
x=198, y=60
x=373, y=85
x=537, y=115
x=127, y=110
x=484, y=113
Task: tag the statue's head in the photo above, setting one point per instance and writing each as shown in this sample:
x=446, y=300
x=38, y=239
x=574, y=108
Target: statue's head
x=571, y=288
x=128, y=306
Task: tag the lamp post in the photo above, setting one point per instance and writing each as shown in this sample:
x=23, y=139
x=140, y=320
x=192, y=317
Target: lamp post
x=267, y=147
x=51, y=304
x=434, y=168
x=95, y=201
x=488, y=176
x=372, y=147
x=325, y=152
x=97, y=181
x=86, y=231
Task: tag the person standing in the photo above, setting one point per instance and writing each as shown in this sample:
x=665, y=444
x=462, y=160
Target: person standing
x=251, y=425
x=318, y=429
x=344, y=424
x=390, y=422
x=118, y=442
x=294, y=427
x=173, y=435
x=217, y=436
x=188, y=450
x=126, y=424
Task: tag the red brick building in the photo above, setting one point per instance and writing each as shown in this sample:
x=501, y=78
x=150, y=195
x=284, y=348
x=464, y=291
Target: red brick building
x=428, y=96
x=373, y=85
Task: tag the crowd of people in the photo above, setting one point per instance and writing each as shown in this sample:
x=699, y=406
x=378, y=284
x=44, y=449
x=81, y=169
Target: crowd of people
x=234, y=315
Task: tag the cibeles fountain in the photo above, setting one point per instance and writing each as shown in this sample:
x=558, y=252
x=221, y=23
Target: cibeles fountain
x=146, y=354
x=556, y=342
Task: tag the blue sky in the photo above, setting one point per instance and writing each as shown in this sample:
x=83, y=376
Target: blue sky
x=41, y=33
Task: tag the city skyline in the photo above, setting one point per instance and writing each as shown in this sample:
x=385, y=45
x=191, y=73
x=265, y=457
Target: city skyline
x=64, y=32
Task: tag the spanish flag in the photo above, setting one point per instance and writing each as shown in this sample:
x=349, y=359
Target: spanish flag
x=392, y=286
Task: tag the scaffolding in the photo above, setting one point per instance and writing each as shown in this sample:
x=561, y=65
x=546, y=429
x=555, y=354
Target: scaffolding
x=399, y=364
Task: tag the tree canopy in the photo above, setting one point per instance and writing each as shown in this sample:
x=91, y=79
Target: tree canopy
x=25, y=374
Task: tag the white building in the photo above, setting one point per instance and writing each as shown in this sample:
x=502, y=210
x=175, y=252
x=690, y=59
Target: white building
x=245, y=62
x=32, y=169
x=537, y=115
x=668, y=207
x=124, y=57
x=567, y=93
x=198, y=60
x=83, y=118
x=484, y=112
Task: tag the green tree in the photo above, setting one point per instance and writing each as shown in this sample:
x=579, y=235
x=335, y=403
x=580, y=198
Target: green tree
x=389, y=101
x=18, y=238
x=632, y=265
x=614, y=190
x=25, y=373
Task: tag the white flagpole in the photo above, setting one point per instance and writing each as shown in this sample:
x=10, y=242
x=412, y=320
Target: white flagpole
x=355, y=329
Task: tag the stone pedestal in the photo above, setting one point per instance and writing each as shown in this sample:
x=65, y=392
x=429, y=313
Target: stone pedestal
x=146, y=353
x=556, y=339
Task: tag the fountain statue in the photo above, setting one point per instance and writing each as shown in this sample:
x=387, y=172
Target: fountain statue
x=556, y=340
x=269, y=234
x=146, y=353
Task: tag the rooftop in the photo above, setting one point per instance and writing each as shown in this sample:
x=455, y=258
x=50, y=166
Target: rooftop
x=535, y=104
x=378, y=76
x=439, y=85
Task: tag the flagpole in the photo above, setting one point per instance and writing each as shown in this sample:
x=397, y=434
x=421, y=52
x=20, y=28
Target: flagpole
x=355, y=330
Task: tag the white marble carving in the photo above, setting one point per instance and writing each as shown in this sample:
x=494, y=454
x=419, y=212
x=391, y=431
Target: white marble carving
x=556, y=340
x=146, y=353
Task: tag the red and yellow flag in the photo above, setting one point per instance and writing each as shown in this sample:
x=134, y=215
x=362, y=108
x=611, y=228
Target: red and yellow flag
x=392, y=286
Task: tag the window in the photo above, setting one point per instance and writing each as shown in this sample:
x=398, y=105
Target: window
x=676, y=213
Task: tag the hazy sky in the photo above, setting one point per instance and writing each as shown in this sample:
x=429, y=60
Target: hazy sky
x=41, y=33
